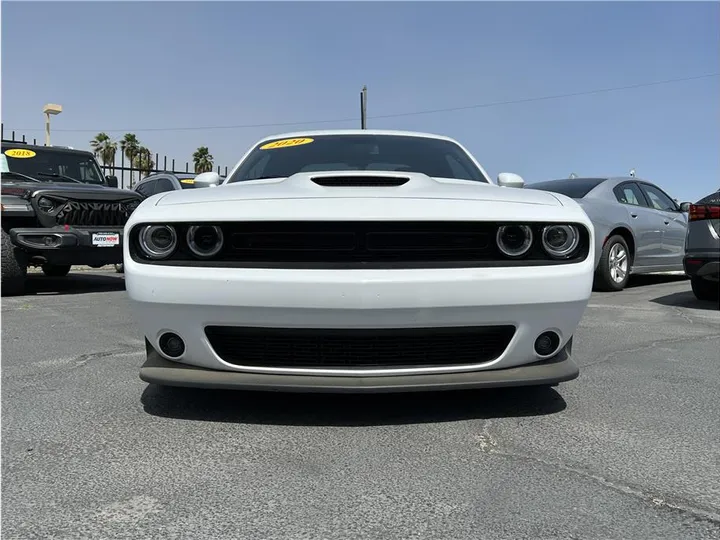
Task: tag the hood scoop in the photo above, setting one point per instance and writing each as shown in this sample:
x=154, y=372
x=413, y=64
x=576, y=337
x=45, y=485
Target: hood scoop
x=360, y=181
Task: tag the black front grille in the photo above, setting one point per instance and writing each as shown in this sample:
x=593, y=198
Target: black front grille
x=353, y=242
x=359, y=244
x=93, y=213
x=358, y=348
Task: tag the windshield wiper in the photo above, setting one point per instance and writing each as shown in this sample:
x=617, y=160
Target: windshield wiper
x=56, y=175
x=20, y=175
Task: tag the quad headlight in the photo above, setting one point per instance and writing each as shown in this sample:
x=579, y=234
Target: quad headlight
x=560, y=241
x=514, y=240
x=158, y=241
x=204, y=240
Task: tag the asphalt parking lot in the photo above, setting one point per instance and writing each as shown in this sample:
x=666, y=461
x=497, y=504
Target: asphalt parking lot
x=628, y=450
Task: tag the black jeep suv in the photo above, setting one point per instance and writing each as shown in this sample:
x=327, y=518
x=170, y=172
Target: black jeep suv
x=58, y=210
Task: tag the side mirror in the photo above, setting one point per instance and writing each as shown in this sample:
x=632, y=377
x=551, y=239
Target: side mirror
x=207, y=179
x=507, y=179
x=112, y=180
x=685, y=207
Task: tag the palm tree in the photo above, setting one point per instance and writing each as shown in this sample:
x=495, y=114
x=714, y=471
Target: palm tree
x=105, y=149
x=203, y=160
x=129, y=145
x=143, y=161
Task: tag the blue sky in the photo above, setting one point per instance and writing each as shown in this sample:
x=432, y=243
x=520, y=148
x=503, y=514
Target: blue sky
x=138, y=65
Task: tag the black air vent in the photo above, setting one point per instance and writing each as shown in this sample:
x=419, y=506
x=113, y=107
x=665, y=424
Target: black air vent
x=360, y=181
x=358, y=348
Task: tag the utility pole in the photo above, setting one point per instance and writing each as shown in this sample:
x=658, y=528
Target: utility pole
x=50, y=109
x=363, y=108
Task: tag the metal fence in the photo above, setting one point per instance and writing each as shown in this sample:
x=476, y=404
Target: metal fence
x=134, y=174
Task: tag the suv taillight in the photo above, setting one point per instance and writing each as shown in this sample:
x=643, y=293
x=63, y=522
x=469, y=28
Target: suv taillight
x=699, y=212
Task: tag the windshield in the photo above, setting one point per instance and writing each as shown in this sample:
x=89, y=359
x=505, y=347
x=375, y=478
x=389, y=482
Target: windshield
x=51, y=165
x=285, y=157
x=575, y=188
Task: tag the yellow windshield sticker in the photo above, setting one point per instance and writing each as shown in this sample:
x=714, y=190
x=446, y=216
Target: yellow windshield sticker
x=19, y=153
x=284, y=143
x=188, y=181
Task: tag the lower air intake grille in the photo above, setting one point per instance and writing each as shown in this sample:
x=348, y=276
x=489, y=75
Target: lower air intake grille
x=358, y=349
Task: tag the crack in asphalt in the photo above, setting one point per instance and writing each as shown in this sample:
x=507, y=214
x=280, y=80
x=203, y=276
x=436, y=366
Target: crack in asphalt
x=682, y=314
x=488, y=444
x=650, y=345
x=75, y=362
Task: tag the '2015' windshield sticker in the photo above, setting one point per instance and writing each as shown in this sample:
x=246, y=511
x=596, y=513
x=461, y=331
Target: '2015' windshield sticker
x=19, y=153
x=285, y=143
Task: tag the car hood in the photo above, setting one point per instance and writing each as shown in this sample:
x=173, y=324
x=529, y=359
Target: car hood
x=359, y=184
x=61, y=188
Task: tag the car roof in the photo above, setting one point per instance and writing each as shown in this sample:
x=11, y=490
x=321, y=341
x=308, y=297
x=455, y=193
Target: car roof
x=339, y=132
x=614, y=180
x=169, y=173
x=43, y=148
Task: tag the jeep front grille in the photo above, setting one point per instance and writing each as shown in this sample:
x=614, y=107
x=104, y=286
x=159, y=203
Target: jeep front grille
x=93, y=213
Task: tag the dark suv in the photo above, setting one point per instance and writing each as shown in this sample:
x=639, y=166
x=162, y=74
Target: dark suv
x=702, y=247
x=58, y=210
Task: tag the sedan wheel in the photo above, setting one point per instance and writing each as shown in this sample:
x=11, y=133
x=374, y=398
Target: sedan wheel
x=613, y=268
x=618, y=263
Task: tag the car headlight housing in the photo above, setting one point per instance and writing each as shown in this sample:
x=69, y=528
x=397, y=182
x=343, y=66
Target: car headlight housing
x=46, y=205
x=560, y=241
x=514, y=240
x=158, y=241
x=204, y=241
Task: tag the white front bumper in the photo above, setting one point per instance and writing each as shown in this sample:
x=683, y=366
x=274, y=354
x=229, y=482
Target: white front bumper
x=185, y=300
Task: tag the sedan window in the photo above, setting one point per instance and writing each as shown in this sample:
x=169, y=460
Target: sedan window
x=658, y=199
x=629, y=194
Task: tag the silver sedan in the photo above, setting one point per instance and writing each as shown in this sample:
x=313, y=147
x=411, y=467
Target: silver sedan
x=639, y=228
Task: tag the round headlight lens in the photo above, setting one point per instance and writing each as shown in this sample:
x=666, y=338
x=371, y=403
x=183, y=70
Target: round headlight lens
x=158, y=241
x=45, y=204
x=514, y=240
x=205, y=240
x=560, y=240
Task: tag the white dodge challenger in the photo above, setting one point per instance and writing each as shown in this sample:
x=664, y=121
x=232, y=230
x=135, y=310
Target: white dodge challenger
x=357, y=261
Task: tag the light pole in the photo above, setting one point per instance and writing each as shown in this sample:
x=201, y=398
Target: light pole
x=363, y=108
x=49, y=109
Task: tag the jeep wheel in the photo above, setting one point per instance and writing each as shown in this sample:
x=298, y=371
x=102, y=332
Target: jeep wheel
x=613, y=270
x=704, y=289
x=56, y=270
x=14, y=268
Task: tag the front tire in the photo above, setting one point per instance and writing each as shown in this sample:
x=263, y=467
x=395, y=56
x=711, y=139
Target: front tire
x=613, y=269
x=704, y=289
x=56, y=270
x=14, y=268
